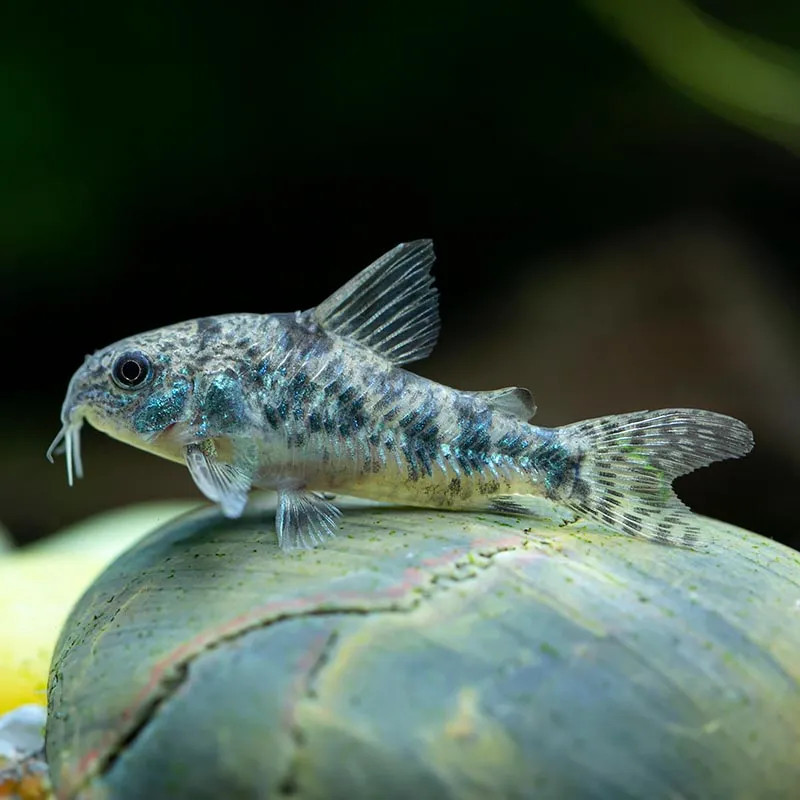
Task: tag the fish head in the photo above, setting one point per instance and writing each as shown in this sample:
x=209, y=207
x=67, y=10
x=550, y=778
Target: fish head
x=136, y=390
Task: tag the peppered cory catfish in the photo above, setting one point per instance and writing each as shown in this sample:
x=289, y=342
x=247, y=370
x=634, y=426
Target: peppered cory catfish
x=316, y=401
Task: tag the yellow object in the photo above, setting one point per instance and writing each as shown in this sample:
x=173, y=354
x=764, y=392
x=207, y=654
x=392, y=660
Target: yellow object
x=40, y=584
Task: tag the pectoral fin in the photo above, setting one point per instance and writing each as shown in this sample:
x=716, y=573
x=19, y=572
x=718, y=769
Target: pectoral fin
x=225, y=483
x=304, y=519
x=391, y=307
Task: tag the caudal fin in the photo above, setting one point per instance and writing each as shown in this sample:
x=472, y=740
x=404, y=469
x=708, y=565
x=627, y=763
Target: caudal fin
x=627, y=464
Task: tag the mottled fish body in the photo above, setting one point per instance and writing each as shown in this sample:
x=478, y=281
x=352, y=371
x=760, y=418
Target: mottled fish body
x=315, y=402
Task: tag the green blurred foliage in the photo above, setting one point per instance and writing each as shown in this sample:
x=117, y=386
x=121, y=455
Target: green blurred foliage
x=752, y=82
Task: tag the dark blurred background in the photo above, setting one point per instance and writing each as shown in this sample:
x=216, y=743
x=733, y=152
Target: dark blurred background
x=613, y=188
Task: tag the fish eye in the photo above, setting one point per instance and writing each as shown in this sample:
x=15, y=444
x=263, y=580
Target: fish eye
x=131, y=370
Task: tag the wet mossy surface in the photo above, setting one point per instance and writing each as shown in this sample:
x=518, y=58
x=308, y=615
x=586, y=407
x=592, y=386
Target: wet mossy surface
x=424, y=654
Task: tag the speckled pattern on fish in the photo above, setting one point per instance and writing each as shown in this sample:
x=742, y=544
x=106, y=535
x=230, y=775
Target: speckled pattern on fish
x=317, y=402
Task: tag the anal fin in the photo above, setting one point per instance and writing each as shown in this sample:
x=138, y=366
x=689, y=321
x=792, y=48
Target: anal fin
x=531, y=506
x=304, y=519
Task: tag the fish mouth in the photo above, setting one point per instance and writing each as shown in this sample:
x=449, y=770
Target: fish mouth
x=68, y=441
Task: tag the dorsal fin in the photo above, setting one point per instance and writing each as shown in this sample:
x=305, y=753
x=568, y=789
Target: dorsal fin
x=391, y=307
x=513, y=401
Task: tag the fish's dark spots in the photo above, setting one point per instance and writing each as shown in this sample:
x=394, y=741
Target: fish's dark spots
x=609, y=427
x=454, y=487
x=690, y=536
x=512, y=444
x=347, y=416
x=208, y=329
x=321, y=345
x=489, y=487
x=314, y=422
x=347, y=395
x=271, y=416
x=411, y=464
x=472, y=446
x=633, y=522
x=408, y=419
x=209, y=325
x=223, y=405
x=464, y=463
x=345, y=428
x=421, y=432
x=301, y=390
x=253, y=352
x=283, y=410
x=473, y=427
x=425, y=460
x=555, y=463
x=582, y=491
x=260, y=372
x=663, y=528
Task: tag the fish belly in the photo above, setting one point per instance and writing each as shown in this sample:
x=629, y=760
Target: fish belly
x=441, y=482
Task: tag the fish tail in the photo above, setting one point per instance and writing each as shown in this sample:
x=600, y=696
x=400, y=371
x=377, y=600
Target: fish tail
x=623, y=466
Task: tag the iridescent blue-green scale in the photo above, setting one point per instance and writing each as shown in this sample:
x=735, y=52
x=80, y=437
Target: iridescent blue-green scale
x=282, y=382
x=471, y=448
x=381, y=436
x=224, y=404
x=162, y=409
x=419, y=435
